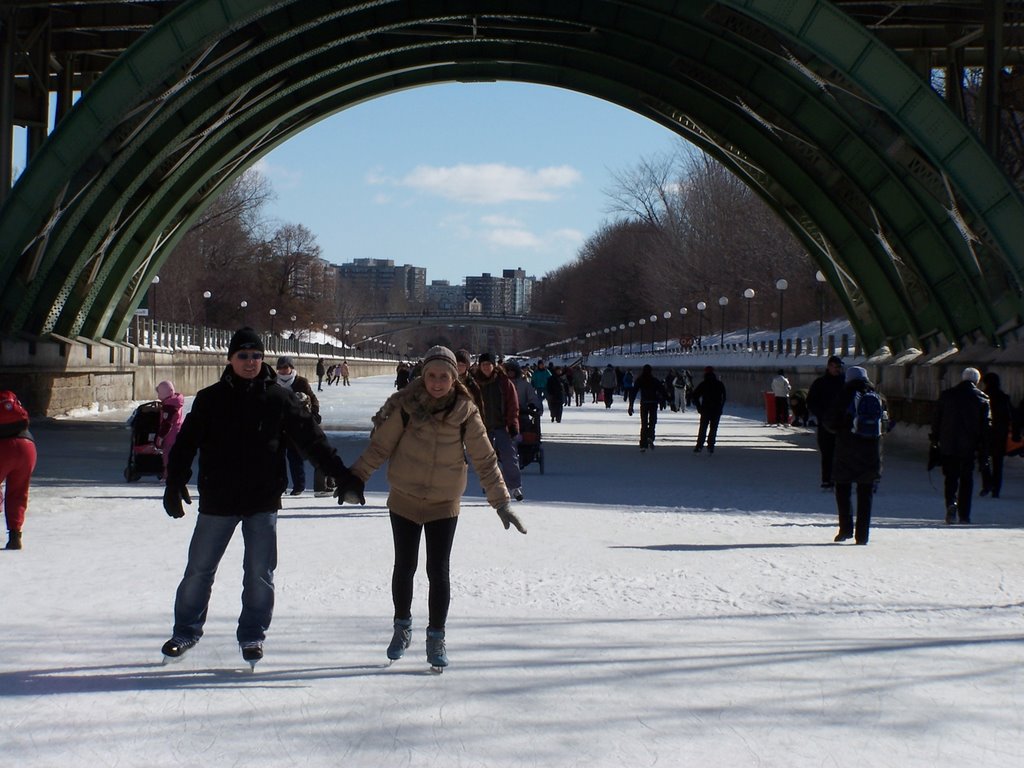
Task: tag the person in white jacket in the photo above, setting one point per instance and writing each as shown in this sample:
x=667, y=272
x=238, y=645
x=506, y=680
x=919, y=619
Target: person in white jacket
x=781, y=389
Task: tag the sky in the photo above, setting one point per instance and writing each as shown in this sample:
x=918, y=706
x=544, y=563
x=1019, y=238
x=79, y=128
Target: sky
x=664, y=608
x=461, y=179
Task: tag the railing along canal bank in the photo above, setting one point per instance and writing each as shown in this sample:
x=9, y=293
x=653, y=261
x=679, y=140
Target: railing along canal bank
x=911, y=382
x=54, y=375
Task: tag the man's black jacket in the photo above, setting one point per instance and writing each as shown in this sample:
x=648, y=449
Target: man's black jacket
x=240, y=428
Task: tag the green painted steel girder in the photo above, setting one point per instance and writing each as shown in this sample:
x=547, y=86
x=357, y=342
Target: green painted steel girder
x=914, y=225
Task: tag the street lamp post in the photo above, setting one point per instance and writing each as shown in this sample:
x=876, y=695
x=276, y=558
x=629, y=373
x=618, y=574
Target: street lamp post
x=273, y=314
x=748, y=295
x=701, y=306
x=723, y=302
x=622, y=338
x=667, y=315
x=642, y=323
x=241, y=308
x=682, y=322
x=206, y=307
x=654, y=319
x=631, y=325
x=155, y=282
x=819, y=276
x=781, y=285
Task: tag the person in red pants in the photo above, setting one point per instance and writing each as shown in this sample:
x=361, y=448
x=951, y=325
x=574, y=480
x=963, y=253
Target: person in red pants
x=17, y=462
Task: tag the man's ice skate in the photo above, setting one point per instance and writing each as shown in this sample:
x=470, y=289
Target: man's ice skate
x=436, y=655
x=176, y=647
x=252, y=652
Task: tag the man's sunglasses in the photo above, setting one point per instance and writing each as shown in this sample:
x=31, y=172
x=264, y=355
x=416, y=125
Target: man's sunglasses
x=249, y=355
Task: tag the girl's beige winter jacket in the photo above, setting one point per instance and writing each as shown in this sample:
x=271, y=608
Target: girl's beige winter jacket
x=427, y=468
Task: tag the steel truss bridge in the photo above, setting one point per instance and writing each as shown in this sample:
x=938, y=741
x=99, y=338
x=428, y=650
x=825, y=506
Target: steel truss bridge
x=401, y=321
x=826, y=109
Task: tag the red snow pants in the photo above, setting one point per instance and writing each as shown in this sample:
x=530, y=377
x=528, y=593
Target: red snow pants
x=17, y=462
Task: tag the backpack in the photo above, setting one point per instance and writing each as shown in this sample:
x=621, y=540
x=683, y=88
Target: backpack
x=13, y=415
x=869, y=416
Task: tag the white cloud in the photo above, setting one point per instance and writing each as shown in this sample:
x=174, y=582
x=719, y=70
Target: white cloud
x=568, y=235
x=486, y=183
x=513, y=238
x=279, y=176
x=496, y=220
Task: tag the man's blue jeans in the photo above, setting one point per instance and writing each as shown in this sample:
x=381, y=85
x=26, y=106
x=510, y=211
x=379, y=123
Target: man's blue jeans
x=209, y=541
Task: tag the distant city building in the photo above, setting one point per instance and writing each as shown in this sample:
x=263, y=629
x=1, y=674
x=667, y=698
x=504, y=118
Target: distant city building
x=313, y=280
x=519, y=291
x=445, y=297
x=510, y=294
x=381, y=280
x=474, y=307
x=489, y=291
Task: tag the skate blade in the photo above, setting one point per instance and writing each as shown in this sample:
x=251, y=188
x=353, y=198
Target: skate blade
x=436, y=670
x=171, y=659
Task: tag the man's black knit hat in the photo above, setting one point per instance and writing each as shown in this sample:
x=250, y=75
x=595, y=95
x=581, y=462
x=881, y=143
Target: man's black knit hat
x=245, y=338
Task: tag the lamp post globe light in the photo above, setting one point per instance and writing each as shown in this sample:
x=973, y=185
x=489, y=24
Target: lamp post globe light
x=667, y=315
x=682, y=321
x=748, y=295
x=642, y=322
x=273, y=314
x=781, y=285
x=701, y=306
x=723, y=302
x=819, y=276
x=654, y=319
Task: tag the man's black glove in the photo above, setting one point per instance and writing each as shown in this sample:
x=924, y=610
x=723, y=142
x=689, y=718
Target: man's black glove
x=350, y=489
x=174, y=494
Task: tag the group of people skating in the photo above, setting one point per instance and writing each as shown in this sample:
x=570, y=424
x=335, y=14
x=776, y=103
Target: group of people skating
x=257, y=422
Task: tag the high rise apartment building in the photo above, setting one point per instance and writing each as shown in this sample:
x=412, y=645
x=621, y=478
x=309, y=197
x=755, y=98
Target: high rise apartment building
x=382, y=281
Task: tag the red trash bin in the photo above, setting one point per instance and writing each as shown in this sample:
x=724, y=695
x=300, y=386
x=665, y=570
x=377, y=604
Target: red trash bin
x=769, y=408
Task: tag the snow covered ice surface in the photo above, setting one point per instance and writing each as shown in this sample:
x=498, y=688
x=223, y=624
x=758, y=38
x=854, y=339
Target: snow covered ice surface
x=666, y=608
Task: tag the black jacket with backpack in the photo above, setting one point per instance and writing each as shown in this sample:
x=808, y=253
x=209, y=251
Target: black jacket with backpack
x=858, y=459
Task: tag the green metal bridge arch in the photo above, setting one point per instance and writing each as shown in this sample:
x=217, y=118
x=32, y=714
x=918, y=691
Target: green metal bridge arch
x=911, y=221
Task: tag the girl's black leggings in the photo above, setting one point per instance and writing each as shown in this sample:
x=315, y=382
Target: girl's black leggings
x=439, y=535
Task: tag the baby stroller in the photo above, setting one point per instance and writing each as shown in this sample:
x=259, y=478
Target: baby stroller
x=530, y=448
x=144, y=458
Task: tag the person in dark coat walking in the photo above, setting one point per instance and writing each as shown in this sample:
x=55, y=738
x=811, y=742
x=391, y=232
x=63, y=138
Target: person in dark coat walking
x=1002, y=426
x=288, y=377
x=239, y=427
x=652, y=397
x=823, y=392
x=321, y=369
x=554, y=390
x=501, y=417
x=708, y=398
x=857, y=459
x=961, y=426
